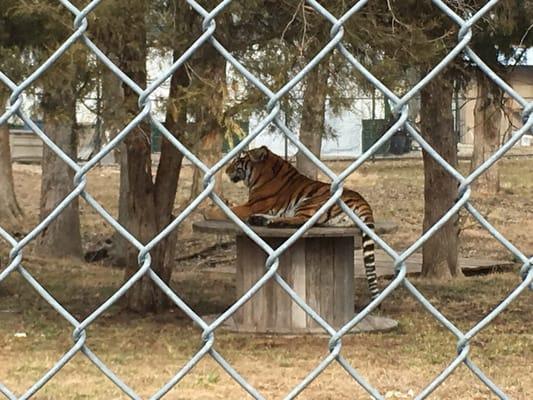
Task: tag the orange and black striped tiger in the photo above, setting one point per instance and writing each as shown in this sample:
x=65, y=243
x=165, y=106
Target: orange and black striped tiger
x=280, y=196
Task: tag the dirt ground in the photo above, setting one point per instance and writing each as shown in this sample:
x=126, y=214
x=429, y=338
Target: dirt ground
x=145, y=351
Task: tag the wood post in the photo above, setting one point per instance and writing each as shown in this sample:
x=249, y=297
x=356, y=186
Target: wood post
x=320, y=270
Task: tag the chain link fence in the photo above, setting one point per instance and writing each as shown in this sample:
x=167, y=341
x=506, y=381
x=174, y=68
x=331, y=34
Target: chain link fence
x=208, y=337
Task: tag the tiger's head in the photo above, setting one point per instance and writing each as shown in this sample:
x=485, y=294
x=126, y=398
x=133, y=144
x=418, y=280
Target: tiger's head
x=242, y=168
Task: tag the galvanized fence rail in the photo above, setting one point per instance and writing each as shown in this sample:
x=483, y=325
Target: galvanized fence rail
x=208, y=337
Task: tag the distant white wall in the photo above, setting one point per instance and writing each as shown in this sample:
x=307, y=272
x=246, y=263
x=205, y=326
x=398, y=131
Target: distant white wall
x=346, y=128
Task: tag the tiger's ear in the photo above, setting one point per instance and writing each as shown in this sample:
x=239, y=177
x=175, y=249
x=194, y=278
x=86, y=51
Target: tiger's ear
x=258, y=154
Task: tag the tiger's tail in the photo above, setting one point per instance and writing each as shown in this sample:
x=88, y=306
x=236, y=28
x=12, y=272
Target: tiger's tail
x=370, y=262
x=363, y=210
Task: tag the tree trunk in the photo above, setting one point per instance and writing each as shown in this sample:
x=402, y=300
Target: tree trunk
x=10, y=212
x=136, y=172
x=112, y=106
x=150, y=207
x=313, y=117
x=143, y=224
x=119, y=250
x=149, y=203
x=113, y=121
x=62, y=237
x=209, y=150
x=487, y=122
x=440, y=189
x=209, y=133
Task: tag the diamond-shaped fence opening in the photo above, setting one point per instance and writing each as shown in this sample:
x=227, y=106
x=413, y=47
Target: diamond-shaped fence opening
x=271, y=117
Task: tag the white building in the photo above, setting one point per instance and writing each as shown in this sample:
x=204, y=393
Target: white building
x=347, y=127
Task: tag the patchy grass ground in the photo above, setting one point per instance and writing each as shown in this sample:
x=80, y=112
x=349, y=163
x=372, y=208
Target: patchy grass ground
x=394, y=196
x=145, y=351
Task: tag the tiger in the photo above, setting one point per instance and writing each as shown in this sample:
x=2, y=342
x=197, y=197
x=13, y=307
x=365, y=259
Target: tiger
x=280, y=196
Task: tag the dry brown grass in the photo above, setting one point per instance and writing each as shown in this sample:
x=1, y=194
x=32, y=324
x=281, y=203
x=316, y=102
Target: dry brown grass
x=145, y=351
x=393, y=188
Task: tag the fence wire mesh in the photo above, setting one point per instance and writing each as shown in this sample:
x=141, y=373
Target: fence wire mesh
x=208, y=338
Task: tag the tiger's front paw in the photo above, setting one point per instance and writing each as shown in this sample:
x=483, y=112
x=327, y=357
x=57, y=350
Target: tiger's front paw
x=258, y=220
